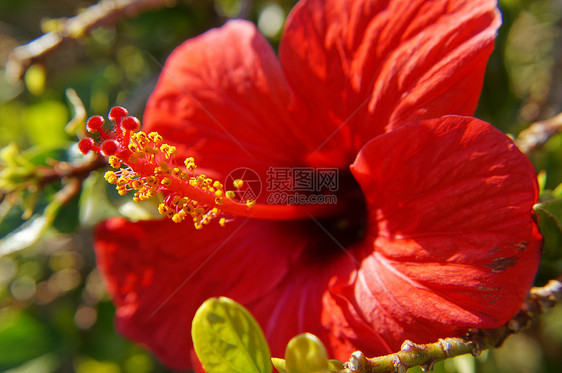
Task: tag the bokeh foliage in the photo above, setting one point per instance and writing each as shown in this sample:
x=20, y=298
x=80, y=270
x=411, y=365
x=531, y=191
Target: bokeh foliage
x=54, y=313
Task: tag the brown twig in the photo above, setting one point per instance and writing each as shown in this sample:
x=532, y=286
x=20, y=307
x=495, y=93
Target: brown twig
x=411, y=354
x=106, y=12
x=64, y=170
x=538, y=133
x=71, y=176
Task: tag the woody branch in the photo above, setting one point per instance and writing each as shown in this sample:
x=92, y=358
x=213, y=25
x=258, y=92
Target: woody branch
x=538, y=133
x=540, y=300
x=104, y=13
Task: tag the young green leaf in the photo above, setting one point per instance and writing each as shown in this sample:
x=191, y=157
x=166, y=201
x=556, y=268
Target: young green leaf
x=550, y=225
x=335, y=365
x=279, y=364
x=305, y=353
x=227, y=338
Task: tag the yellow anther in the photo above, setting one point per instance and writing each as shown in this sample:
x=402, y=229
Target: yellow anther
x=179, y=217
x=110, y=177
x=251, y=203
x=140, y=197
x=238, y=183
x=114, y=162
x=122, y=190
x=183, y=175
x=151, y=150
x=208, y=182
x=166, y=181
x=219, y=193
x=137, y=184
x=141, y=135
x=222, y=222
x=165, y=210
x=155, y=137
x=133, y=147
x=151, y=181
x=217, y=185
x=191, y=168
x=230, y=194
x=122, y=181
x=190, y=164
x=172, y=151
x=164, y=148
x=142, y=139
x=188, y=208
x=218, y=200
x=177, y=201
x=165, y=167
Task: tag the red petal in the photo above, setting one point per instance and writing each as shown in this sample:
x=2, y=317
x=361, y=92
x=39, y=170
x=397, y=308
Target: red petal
x=361, y=68
x=454, y=244
x=222, y=98
x=158, y=273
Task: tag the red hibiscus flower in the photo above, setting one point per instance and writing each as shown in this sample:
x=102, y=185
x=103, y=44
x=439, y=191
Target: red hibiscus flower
x=432, y=232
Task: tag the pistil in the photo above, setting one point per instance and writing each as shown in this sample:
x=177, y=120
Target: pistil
x=148, y=166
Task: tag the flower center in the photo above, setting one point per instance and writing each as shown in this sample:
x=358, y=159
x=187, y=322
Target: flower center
x=339, y=233
x=148, y=167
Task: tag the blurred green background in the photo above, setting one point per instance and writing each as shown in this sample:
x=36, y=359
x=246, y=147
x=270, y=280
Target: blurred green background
x=54, y=313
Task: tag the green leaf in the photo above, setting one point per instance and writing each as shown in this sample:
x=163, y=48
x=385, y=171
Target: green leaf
x=305, y=353
x=228, y=339
x=46, y=364
x=34, y=79
x=557, y=192
x=22, y=338
x=44, y=123
x=14, y=168
x=94, y=204
x=230, y=8
x=31, y=231
x=541, y=180
x=550, y=225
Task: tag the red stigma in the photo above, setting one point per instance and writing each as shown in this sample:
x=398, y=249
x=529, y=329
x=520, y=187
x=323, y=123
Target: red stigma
x=109, y=147
x=115, y=137
x=95, y=123
x=85, y=145
x=130, y=124
x=116, y=113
